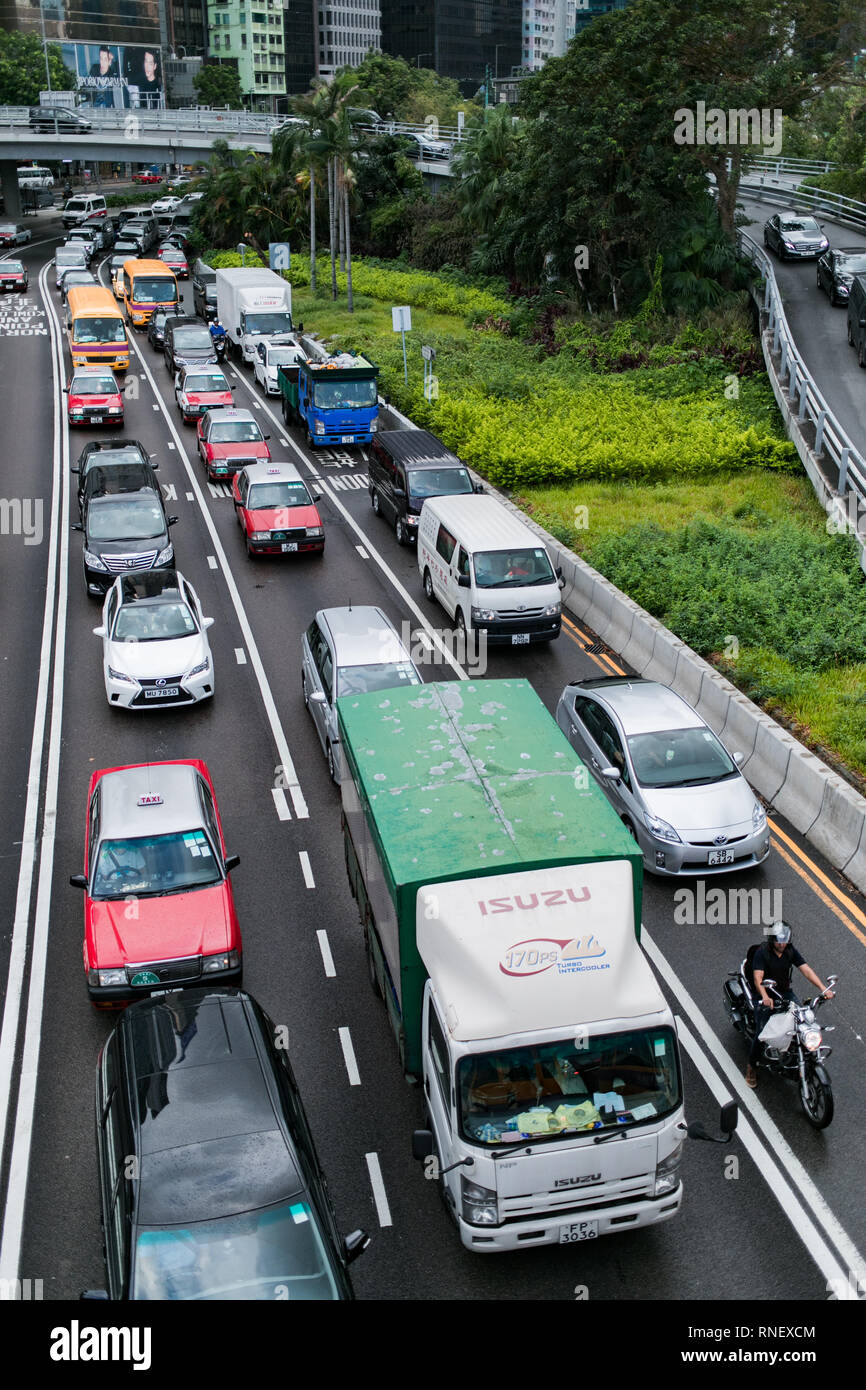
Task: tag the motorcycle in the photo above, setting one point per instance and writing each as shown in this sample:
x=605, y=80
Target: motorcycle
x=220, y=342
x=793, y=1040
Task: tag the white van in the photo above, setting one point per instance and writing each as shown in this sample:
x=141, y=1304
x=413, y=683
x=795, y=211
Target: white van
x=81, y=206
x=488, y=570
x=69, y=257
x=35, y=176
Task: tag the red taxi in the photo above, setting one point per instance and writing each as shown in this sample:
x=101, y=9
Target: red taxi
x=147, y=177
x=230, y=439
x=93, y=397
x=13, y=275
x=175, y=259
x=276, y=511
x=158, y=908
x=199, y=388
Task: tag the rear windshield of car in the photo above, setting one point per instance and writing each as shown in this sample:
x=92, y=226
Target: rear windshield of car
x=384, y=675
x=679, y=758
x=853, y=264
x=121, y=455
x=267, y=495
x=94, y=385
x=126, y=520
x=70, y=255
x=237, y=432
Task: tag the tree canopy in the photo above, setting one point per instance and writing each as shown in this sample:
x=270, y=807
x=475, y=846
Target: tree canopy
x=217, y=84
x=22, y=69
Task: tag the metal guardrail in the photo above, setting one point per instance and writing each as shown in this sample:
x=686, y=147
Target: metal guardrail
x=183, y=119
x=802, y=199
x=805, y=399
x=784, y=165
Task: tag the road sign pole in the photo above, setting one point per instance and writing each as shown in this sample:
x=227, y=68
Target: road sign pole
x=405, y=366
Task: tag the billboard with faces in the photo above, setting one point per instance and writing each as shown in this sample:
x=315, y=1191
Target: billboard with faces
x=117, y=75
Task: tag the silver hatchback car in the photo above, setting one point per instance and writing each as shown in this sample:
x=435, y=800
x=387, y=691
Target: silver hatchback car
x=349, y=651
x=664, y=771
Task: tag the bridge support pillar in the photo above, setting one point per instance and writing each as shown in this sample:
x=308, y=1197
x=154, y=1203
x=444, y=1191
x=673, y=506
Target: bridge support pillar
x=10, y=189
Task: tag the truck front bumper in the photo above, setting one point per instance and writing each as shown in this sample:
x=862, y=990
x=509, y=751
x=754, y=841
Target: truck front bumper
x=548, y=1228
x=358, y=438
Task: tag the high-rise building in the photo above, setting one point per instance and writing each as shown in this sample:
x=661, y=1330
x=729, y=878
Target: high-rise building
x=250, y=35
x=585, y=11
x=547, y=27
x=459, y=38
x=301, y=51
x=186, y=27
x=345, y=34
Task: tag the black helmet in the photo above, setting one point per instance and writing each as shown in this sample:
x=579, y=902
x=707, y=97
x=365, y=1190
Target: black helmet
x=780, y=931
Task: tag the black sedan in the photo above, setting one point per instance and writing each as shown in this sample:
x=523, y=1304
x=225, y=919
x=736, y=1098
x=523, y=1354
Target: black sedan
x=47, y=119
x=210, y=1185
x=794, y=236
x=156, y=327
x=836, y=270
x=108, y=453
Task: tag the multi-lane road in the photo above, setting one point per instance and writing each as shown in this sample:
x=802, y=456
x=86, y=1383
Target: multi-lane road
x=775, y=1214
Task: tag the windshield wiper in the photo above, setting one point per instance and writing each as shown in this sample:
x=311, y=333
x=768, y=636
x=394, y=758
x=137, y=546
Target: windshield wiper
x=614, y=1134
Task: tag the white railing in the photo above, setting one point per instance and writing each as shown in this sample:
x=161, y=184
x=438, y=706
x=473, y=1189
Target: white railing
x=805, y=399
x=785, y=165
x=802, y=199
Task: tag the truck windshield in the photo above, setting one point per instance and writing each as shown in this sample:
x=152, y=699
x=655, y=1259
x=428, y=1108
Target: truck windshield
x=340, y=395
x=154, y=289
x=162, y=864
x=99, y=331
x=541, y=1092
x=438, y=482
x=513, y=569
x=267, y=323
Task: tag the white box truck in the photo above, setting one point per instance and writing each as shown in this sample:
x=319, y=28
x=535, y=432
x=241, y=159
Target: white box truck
x=253, y=304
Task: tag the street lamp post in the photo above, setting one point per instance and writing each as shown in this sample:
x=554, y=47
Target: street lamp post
x=419, y=56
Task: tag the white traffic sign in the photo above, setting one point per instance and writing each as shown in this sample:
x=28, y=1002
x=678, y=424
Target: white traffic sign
x=401, y=318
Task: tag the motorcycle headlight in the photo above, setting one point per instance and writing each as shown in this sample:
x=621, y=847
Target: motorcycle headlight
x=660, y=828
x=121, y=676
x=759, y=817
x=479, y=1204
x=811, y=1039
x=228, y=960
x=92, y=561
x=320, y=427
x=202, y=666
x=483, y=615
x=668, y=1172
x=165, y=556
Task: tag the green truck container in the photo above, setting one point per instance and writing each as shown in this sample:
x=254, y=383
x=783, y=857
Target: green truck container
x=457, y=781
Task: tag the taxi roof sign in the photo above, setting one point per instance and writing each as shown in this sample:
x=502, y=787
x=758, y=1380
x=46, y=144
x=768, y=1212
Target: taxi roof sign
x=150, y=799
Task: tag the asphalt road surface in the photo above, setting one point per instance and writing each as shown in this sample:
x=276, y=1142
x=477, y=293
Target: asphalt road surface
x=773, y=1215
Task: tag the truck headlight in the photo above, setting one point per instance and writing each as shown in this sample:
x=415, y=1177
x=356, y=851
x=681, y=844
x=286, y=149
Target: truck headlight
x=374, y=423
x=92, y=561
x=227, y=960
x=320, y=427
x=668, y=1172
x=660, y=828
x=104, y=978
x=478, y=1203
x=483, y=615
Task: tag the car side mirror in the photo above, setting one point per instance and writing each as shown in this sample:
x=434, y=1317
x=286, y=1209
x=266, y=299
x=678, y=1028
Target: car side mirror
x=266, y=436
x=173, y=520
x=355, y=1245
x=231, y=862
x=316, y=496
x=611, y=774
x=463, y=581
x=422, y=1144
x=207, y=622
x=479, y=487
x=78, y=880
x=300, y=328
x=558, y=571
x=73, y=468
x=317, y=697
x=237, y=332
x=738, y=758
x=99, y=631
x=77, y=526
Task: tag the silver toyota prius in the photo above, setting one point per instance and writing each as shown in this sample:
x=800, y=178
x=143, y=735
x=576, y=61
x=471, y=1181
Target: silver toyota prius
x=665, y=772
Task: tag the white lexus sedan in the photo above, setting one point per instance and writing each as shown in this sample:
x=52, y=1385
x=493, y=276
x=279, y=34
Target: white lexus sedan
x=155, y=649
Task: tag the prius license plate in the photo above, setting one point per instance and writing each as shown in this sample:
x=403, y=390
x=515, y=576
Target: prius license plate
x=289, y=545
x=720, y=856
x=518, y=638
x=347, y=439
x=581, y=1230
x=162, y=693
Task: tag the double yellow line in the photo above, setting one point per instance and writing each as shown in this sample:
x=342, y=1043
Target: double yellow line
x=849, y=914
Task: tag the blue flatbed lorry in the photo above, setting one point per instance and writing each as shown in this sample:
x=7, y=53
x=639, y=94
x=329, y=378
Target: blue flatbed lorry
x=335, y=401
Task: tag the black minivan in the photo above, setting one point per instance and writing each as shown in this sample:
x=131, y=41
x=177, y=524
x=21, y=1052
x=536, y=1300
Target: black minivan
x=124, y=533
x=187, y=340
x=857, y=317
x=210, y=1185
x=406, y=467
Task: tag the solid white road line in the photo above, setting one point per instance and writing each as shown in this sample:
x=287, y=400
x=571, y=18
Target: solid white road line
x=281, y=803
x=383, y=1211
x=18, y=950
x=372, y=552
x=798, y=1178
x=289, y=775
x=19, y=1163
x=792, y=1208
x=349, y=1057
x=306, y=869
x=327, y=958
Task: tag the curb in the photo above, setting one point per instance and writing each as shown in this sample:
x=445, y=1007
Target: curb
x=821, y=805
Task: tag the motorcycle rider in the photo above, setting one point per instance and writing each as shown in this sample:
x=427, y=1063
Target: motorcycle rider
x=774, y=961
x=217, y=331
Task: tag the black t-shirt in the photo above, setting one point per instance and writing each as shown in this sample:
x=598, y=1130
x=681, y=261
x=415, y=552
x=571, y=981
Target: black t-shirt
x=777, y=968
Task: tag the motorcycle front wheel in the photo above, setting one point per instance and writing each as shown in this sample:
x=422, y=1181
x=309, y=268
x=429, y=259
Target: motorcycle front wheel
x=816, y=1096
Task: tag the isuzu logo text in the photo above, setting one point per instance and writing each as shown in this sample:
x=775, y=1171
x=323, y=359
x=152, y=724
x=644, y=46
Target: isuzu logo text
x=575, y=955
x=548, y=897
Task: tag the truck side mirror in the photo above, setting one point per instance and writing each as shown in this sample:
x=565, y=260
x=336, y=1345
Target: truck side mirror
x=422, y=1144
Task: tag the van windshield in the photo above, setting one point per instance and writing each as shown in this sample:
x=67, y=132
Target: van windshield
x=99, y=331
x=513, y=569
x=438, y=482
x=541, y=1092
x=154, y=289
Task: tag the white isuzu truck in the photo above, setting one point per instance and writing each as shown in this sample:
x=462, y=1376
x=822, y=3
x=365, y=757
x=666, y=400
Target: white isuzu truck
x=251, y=305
